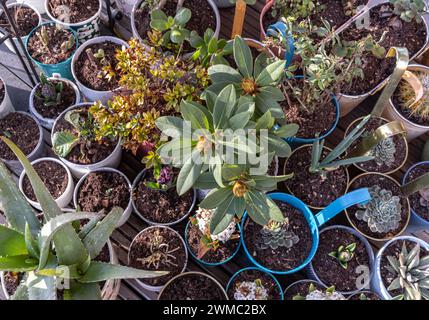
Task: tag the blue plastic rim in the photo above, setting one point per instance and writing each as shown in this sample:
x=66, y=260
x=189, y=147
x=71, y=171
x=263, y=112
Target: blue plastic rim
x=281, y=27
x=215, y=264
x=261, y=270
x=359, y=196
x=64, y=67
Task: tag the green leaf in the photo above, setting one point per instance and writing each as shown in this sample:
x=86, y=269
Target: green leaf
x=269, y=183
x=183, y=16
x=189, y=173
x=172, y=126
x=261, y=209
x=271, y=74
x=83, y=291
x=223, y=215
x=193, y=114
x=261, y=62
x=41, y=287
x=31, y=243
x=243, y=57
x=221, y=73
x=266, y=121
x=277, y=145
x=224, y=106
x=231, y=172
x=239, y=207
x=215, y=197
x=21, y=263
x=158, y=14
x=12, y=243
x=206, y=181
x=21, y=293
x=63, y=143
x=287, y=130
x=212, y=46
x=265, y=102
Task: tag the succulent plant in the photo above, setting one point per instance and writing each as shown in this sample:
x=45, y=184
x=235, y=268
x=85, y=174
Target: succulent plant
x=409, y=10
x=173, y=28
x=384, y=152
x=344, y=254
x=407, y=94
x=314, y=294
x=411, y=274
x=250, y=290
x=68, y=44
x=49, y=92
x=276, y=235
x=382, y=212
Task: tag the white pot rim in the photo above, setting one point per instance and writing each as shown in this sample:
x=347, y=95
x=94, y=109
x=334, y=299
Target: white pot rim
x=24, y=4
x=6, y=92
x=76, y=24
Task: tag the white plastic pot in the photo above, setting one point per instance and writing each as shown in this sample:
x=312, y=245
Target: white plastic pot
x=24, y=39
x=309, y=281
x=224, y=3
x=377, y=281
x=126, y=6
x=79, y=170
x=158, y=288
x=46, y=122
x=38, y=4
x=127, y=210
x=90, y=94
x=6, y=105
x=64, y=200
x=85, y=30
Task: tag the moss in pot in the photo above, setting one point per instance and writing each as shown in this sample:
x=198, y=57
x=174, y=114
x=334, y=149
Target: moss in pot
x=301, y=288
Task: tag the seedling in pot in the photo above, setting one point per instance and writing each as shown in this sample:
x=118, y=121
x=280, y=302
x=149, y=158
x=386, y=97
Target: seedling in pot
x=412, y=103
x=314, y=294
x=209, y=50
x=276, y=235
x=50, y=92
x=344, y=254
x=409, y=10
x=251, y=290
x=172, y=28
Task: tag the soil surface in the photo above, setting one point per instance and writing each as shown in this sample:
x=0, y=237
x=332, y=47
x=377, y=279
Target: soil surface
x=68, y=98
x=311, y=187
x=192, y=287
x=368, y=181
x=158, y=249
x=79, y=10
x=22, y=130
x=161, y=206
x=377, y=165
x=329, y=270
x=53, y=175
x=2, y=91
x=368, y=295
x=26, y=19
x=251, y=275
x=418, y=204
x=89, y=71
x=52, y=52
x=301, y=289
x=103, y=191
x=281, y=259
x=12, y=281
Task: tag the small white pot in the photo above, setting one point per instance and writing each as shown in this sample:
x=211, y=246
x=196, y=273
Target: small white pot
x=24, y=39
x=377, y=281
x=38, y=4
x=90, y=94
x=126, y=6
x=158, y=288
x=46, y=122
x=127, y=210
x=79, y=170
x=6, y=105
x=64, y=200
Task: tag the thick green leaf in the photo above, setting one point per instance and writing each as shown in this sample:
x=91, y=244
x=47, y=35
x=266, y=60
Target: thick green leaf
x=177, y=150
x=239, y=207
x=243, y=57
x=265, y=102
x=231, y=172
x=31, y=243
x=42, y=287
x=194, y=115
x=271, y=74
x=224, y=106
x=182, y=16
x=83, y=291
x=12, y=243
x=223, y=215
x=269, y=183
x=21, y=293
x=261, y=209
x=287, y=130
x=221, y=73
x=63, y=143
x=189, y=173
x=172, y=126
x=266, y=121
x=261, y=62
x=206, y=181
x=19, y=263
x=215, y=197
x=277, y=145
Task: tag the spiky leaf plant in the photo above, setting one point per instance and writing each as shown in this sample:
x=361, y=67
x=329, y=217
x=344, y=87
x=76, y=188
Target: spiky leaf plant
x=344, y=254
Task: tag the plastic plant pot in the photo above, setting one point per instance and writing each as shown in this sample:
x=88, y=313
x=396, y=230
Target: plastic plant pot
x=85, y=30
x=127, y=211
x=258, y=269
x=47, y=122
x=209, y=264
x=224, y=3
x=365, y=292
x=64, y=199
x=313, y=274
x=309, y=281
x=6, y=105
x=359, y=196
x=286, y=54
x=63, y=68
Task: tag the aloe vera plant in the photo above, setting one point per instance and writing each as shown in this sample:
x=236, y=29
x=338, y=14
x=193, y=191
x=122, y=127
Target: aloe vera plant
x=27, y=245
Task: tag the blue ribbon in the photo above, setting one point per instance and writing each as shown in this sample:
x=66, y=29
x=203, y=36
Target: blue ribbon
x=281, y=27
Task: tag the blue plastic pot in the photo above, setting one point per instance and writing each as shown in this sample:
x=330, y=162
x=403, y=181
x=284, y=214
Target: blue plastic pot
x=63, y=68
x=359, y=196
x=208, y=264
x=281, y=27
x=259, y=269
x=417, y=223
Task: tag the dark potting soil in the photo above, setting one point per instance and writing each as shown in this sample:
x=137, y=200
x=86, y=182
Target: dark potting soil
x=22, y=130
x=89, y=71
x=68, y=98
x=251, y=275
x=12, y=281
x=222, y=253
x=161, y=206
x=394, y=249
x=329, y=270
x=281, y=259
x=79, y=10
x=368, y=296
x=301, y=289
x=381, y=167
x=53, y=175
x=202, y=17
x=103, y=191
x=192, y=287
x=2, y=91
x=368, y=181
x=311, y=187
x=85, y=152
x=158, y=249
x=418, y=204
x=273, y=168
x=52, y=53
x=26, y=19
x=411, y=35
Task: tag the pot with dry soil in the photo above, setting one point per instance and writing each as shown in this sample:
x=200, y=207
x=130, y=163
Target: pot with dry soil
x=158, y=248
x=104, y=189
x=6, y=105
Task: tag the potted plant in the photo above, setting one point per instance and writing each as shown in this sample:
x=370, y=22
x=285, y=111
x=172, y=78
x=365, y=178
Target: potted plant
x=386, y=215
x=51, y=97
x=5, y=103
x=26, y=18
x=253, y=284
x=24, y=130
x=91, y=65
x=82, y=16
x=364, y=295
x=104, y=189
x=74, y=141
x=318, y=294
x=342, y=256
x=158, y=248
x=211, y=249
x=193, y=286
x=401, y=269
x=73, y=252
x=301, y=288
x=51, y=48
x=57, y=179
